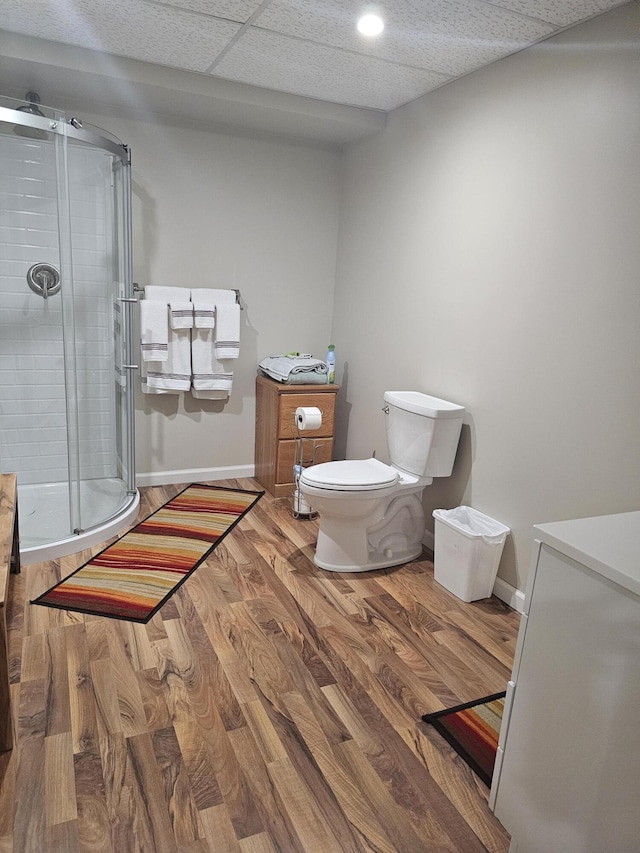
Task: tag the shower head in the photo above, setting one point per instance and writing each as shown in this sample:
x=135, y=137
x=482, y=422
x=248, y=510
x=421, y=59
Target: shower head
x=32, y=106
x=31, y=109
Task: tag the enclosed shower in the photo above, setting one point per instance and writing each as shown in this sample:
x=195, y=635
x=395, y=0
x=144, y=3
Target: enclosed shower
x=66, y=321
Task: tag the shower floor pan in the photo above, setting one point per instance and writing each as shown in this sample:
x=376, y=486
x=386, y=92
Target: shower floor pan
x=45, y=528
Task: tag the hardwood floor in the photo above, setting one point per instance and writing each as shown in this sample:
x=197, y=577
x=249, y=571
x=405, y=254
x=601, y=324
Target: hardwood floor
x=269, y=706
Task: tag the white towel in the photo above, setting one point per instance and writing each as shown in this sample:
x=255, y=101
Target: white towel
x=145, y=386
x=208, y=373
x=295, y=369
x=154, y=330
x=209, y=395
x=207, y=294
x=166, y=294
x=227, y=330
x=181, y=315
x=173, y=375
x=204, y=314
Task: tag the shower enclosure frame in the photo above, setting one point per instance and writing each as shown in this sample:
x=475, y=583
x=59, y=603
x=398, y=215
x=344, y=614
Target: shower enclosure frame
x=57, y=128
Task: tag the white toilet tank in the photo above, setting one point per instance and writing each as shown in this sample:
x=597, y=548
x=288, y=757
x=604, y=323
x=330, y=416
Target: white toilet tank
x=422, y=433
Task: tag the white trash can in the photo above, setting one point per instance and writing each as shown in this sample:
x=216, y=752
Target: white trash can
x=467, y=550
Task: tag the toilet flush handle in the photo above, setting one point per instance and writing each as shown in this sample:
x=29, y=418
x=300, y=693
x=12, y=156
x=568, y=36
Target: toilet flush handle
x=385, y=409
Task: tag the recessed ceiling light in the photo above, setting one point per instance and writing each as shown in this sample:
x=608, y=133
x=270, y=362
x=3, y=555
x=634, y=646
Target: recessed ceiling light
x=370, y=25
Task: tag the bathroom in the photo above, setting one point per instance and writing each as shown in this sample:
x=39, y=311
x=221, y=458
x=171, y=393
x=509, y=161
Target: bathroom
x=480, y=245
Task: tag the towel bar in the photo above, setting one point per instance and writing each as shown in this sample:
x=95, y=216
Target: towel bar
x=140, y=289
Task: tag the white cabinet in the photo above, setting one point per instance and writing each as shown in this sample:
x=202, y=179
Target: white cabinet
x=567, y=776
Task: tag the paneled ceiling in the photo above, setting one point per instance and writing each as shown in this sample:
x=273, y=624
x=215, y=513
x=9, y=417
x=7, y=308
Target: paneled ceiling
x=306, y=47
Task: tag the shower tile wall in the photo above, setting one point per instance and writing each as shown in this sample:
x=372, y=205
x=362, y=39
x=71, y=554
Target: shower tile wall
x=33, y=419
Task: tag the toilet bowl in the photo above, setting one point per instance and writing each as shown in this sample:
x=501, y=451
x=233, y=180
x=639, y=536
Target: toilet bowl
x=371, y=514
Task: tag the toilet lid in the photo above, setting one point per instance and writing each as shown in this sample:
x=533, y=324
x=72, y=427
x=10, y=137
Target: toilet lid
x=350, y=475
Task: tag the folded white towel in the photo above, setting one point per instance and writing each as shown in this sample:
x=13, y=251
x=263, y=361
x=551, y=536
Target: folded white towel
x=209, y=395
x=181, y=315
x=208, y=373
x=166, y=294
x=173, y=375
x=204, y=315
x=227, y=330
x=283, y=367
x=207, y=294
x=154, y=330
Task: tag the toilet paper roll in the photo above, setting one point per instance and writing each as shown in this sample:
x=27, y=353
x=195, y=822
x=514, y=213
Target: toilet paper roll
x=308, y=417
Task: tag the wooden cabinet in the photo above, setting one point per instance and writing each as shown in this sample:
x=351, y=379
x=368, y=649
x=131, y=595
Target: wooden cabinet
x=9, y=562
x=276, y=431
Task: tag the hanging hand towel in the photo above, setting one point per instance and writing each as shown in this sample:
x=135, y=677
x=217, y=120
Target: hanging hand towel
x=209, y=395
x=208, y=373
x=204, y=300
x=227, y=330
x=204, y=315
x=145, y=386
x=154, y=330
x=173, y=375
x=181, y=315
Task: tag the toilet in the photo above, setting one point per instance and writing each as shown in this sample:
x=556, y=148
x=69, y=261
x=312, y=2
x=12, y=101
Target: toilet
x=371, y=514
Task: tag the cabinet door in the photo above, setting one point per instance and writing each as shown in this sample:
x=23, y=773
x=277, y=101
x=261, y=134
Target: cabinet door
x=570, y=773
x=326, y=402
x=287, y=456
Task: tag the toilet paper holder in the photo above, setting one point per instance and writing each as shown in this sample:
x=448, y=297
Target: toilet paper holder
x=308, y=418
x=299, y=506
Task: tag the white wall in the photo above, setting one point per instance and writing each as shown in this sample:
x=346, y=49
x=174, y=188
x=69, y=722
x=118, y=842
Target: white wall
x=215, y=210
x=489, y=254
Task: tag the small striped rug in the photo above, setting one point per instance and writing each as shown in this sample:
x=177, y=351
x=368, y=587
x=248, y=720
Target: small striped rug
x=473, y=730
x=134, y=576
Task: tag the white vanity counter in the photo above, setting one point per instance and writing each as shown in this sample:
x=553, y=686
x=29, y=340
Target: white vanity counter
x=567, y=776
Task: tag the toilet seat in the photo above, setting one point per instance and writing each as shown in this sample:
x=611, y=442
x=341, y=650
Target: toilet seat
x=351, y=475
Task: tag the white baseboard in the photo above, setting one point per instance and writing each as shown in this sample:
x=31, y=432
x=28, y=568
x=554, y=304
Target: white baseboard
x=509, y=594
x=501, y=589
x=428, y=540
x=195, y=475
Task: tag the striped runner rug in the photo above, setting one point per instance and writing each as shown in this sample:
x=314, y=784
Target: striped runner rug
x=473, y=730
x=134, y=576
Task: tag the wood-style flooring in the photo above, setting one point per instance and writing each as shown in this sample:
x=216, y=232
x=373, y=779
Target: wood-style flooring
x=269, y=706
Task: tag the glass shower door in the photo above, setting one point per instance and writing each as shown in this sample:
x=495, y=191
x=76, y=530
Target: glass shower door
x=66, y=309
x=124, y=307
x=101, y=276
x=70, y=358
x=34, y=332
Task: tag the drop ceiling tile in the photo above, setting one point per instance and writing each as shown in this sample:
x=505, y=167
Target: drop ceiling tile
x=307, y=47
x=449, y=36
x=561, y=13
x=606, y=5
x=299, y=67
x=232, y=10
x=129, y=28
